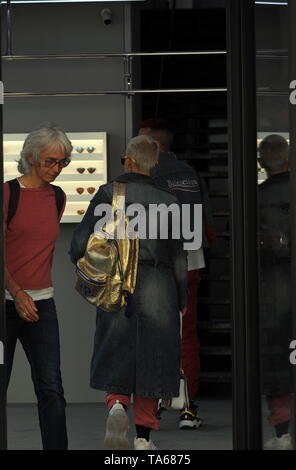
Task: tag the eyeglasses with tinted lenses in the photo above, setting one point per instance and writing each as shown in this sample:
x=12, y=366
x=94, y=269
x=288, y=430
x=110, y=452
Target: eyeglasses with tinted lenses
x=122, y=159
x=51, y=162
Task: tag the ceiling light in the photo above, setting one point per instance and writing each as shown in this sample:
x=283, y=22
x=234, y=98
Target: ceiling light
x=69, y=1
x=271, y=3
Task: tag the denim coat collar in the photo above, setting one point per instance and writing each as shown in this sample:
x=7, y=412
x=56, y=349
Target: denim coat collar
x=141, y=179
x=135, y=178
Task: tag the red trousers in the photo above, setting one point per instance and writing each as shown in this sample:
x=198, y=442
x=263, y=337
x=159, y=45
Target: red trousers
x=280, y=408
x=144, y=408
x=190, y=345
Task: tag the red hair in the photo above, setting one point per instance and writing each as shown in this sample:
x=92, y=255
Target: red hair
x=155, y=123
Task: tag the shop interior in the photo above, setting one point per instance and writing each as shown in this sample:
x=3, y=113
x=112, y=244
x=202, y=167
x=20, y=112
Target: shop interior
x=98, y=77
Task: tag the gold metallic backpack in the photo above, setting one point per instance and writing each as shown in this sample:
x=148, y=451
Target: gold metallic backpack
x=107, y=272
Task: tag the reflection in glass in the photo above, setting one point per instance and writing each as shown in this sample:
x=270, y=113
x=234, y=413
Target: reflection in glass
x=275, y=286
x=274, y=226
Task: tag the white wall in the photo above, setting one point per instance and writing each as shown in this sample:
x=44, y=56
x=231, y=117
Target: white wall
x=68, y=29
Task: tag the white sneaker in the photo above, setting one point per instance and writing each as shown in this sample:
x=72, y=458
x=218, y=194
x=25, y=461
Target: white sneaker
x=116, y=428
x=140, y=443
x=279, y=443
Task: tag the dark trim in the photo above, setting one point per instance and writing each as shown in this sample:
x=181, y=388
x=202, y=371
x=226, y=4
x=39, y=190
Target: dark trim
x=3, y=427
x=292, y=116
x=8, y=28
x=243, y=200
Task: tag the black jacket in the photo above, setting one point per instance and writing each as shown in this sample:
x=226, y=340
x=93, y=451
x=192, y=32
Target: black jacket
x=185, y=183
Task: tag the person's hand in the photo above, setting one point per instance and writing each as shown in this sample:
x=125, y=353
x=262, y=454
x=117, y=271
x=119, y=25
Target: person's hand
x=183, y=311
x=25, y=306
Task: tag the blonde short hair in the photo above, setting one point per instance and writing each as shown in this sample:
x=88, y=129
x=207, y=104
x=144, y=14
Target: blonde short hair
x=144, y=151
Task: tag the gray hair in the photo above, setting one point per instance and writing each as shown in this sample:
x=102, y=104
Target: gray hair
x=144, y=150
x=47, y=137
x=274, y=152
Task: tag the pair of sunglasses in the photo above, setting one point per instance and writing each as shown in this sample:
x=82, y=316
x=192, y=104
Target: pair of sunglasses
x=122, y=159
x=88, y=149
x=82, y=170
x=51, y=162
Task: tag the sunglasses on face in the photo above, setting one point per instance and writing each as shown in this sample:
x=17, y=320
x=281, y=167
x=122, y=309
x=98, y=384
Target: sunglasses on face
x=122, y=159
x=51, y=162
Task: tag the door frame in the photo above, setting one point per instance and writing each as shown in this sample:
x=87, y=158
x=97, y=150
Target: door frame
x=241, y=84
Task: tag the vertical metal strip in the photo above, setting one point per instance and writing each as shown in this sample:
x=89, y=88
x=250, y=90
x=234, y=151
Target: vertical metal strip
x=128, y=74
x=243, y=200
x=3, y=427
x=292, y=108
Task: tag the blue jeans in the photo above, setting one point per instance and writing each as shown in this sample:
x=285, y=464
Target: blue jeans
x=40, y=341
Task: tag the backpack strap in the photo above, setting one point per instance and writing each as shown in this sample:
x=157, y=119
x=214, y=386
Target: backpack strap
x=14, y=189
x=59, y=198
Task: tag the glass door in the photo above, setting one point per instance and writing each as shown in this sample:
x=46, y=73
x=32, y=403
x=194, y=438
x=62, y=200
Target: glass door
x=275, y=222
x=262, y=111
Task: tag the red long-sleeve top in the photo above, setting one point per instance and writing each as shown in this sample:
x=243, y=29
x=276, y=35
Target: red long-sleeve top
x=31, y=236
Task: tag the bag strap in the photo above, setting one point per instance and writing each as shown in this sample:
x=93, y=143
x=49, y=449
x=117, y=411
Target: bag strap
x=14, y=189
x=59, y=198
x=118, y=200
x=118, y=205
x=186, y=396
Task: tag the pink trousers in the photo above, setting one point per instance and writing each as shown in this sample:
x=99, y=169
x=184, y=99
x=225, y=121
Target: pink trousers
x=144, y=408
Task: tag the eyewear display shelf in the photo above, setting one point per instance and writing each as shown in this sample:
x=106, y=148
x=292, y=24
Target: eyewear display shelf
x=80, y=179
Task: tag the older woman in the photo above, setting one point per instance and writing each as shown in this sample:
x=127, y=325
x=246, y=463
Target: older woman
x=33, y=208
x=137, y=349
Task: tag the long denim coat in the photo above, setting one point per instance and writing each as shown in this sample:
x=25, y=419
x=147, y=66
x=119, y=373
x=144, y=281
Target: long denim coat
x=137, y=349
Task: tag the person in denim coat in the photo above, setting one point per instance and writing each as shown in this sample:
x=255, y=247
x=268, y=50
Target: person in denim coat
x=185, y=183
x=137, y=349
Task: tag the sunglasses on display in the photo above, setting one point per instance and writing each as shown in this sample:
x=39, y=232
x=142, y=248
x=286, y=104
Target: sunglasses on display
x=90, y=190
x=51, y=162
x=82, y=170
x=122, y=159
x=88, y=149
